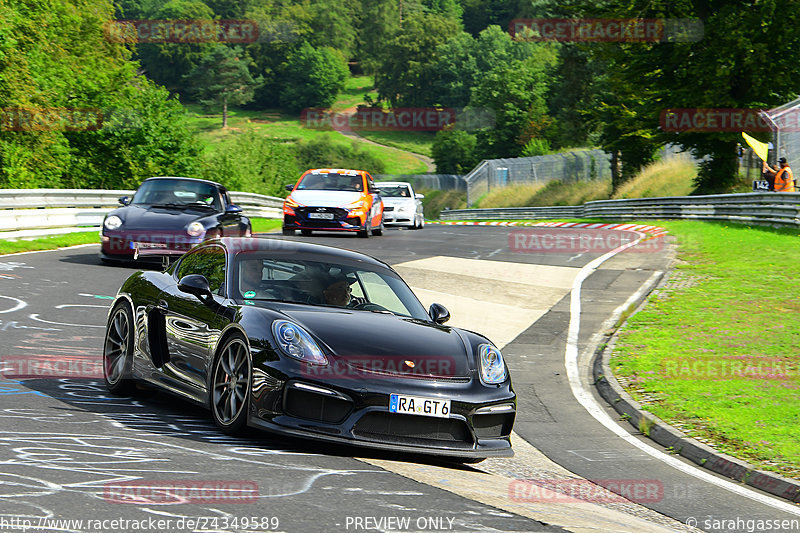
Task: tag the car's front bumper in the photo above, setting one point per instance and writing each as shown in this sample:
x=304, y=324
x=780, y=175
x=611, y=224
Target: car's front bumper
x=356, y=412
x=144, y=246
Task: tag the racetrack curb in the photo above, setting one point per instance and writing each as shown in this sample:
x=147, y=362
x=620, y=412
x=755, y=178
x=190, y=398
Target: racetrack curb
x=674, y=439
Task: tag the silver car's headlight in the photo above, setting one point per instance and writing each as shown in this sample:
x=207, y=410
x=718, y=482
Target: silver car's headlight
x=493, y=368
x=295, y=342
x=112, y=222
x=195, y=229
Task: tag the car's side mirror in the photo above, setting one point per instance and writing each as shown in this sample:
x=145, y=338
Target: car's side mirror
x=124, y=200
x=290, y=187
x=233, y=209
x=439, y=313
x=419, y=196
x=195, y=284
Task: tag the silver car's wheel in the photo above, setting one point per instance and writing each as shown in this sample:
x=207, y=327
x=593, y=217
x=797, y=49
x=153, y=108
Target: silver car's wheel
x=118, y=350
x=230, y=385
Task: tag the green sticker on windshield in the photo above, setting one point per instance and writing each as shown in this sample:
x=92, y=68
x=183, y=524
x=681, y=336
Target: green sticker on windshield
x=248, y=302
x=250, y=294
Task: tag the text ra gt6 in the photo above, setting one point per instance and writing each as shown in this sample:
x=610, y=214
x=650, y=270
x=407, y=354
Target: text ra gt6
x=310, y=341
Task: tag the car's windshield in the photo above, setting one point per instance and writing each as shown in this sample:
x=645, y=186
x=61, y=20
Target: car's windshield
x=261, y=277
x=177, y=192
x=395, y=191
x=331, y=182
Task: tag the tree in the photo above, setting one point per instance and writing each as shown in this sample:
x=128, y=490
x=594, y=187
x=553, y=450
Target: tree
x=516, y=91
x=454, y=151
x=168, y=63
x=312, y=78
x=406, y=67
x=745, y=59
x=222, y=77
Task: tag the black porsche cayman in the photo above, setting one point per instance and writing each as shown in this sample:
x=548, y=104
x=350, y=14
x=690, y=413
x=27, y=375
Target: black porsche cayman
x=167, y=216
x=311, y=341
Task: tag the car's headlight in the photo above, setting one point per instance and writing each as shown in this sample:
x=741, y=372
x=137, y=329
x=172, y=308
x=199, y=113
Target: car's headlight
x=493, y=368
x=295, y=342
x=195, y=229
x=290, y=202
x=112, y=222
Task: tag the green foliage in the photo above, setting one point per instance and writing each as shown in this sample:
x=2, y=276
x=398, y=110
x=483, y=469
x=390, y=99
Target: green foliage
x=436, y=201
x=253, y=163
x=535, y=146
x=168, y=63
x=406, y=67
x=222, y=78
x=55, y=57
x=745, y=59
x=312, y=78
x=516, y=91
x=454, y=151
x=323, y=153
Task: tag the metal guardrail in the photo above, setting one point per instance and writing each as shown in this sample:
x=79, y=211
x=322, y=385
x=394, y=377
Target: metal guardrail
x=35, y=209
x=775, y=209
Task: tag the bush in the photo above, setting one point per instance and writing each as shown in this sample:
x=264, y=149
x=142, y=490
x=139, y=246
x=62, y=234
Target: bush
x=253, y=163
x=454, y=151
x=322, y=152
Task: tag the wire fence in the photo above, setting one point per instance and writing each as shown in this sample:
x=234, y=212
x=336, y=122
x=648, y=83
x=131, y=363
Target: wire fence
x=442, y=182
x=575, y=166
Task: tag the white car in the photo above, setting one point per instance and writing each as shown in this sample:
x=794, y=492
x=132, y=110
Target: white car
x=401, y=206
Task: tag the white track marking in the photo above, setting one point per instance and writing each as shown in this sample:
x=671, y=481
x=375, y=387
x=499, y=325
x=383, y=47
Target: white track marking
x=585, y=398
x=20, y=304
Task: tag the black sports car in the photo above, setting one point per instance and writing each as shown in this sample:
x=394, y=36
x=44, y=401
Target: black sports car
x=311, y=341
x=168, y=216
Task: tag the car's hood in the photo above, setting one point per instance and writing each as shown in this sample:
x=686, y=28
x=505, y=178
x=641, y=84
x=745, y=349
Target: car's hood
x=326, y=198
x=384, y=343
x=397, y=202
x=136, y=217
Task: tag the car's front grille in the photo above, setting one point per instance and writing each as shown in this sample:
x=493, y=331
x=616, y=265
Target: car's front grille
x=388, y=208
x=392, y=427
x=306, y=214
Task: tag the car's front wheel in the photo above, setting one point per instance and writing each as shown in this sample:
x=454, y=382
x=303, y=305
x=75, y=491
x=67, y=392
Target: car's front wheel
x=230, y=385
x=379, y=230
x=364, y=233
x=118, y=350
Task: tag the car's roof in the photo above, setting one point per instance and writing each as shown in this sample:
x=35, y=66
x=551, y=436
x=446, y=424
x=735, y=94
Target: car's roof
x=185, y=179
x=392, y=183
x=345, y=171
x=238, y=245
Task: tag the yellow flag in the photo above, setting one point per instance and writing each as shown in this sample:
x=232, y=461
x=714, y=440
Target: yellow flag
x=758, y=147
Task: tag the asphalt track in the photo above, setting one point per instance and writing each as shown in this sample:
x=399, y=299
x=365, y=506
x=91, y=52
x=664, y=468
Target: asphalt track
x=64, y=440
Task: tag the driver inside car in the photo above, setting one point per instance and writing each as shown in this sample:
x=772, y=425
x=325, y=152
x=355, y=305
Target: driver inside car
x=337, y=292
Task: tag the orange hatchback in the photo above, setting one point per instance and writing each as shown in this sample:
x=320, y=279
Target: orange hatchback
x=330, y=199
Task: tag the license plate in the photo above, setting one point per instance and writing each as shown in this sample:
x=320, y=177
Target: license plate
x=149, y=245
x=325, y=216
x=416, y=405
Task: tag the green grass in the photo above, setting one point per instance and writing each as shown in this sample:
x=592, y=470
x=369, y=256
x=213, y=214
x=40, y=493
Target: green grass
x=49, y=243
x=671, y=177
x=549, y=194
x=353, y=94
x=736, y=308
x=265, y=225
x=419, y=142
x=279, y=125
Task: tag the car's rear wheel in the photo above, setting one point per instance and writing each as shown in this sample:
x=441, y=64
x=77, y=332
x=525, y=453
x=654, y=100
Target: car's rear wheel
x=230, y=385
x=118, y=350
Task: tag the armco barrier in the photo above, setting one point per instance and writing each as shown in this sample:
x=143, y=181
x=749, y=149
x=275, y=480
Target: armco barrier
x=774, y=209
x=35, y=209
